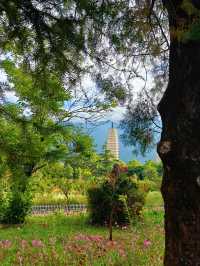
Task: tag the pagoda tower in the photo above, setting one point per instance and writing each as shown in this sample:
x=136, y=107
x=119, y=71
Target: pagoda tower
x=113, y=142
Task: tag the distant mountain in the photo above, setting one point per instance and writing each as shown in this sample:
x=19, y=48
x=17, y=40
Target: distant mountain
x=100, y=134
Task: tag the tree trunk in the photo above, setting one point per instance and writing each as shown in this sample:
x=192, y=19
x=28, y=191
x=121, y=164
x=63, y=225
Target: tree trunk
x=111, y=224
x=179, y=147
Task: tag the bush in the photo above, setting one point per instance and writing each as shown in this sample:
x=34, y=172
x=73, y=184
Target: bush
x=3, y=207
x=18, y=207
x=4, y=198
x=103, y=198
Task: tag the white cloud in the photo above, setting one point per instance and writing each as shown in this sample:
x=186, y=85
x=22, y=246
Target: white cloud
x=11, y=97
x=116, y=114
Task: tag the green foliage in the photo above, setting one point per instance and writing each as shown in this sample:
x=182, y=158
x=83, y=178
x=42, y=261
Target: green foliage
x=53, y=198
x=101, y=199
x=154, y=199
x=138, y=129
x=83, y=144
x=189, y=7
x=149, y=175
x=30, y=142
x=103, y=163
x=69, y=171
x=192, y=34
x=136, y=168
x=153, y=171
x=146, y=185
x=113, y=90
x=4, y=203
x=4, y=195
x=150, y=170
x=18, y=207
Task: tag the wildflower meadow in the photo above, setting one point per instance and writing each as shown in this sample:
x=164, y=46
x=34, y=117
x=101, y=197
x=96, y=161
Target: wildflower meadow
x=57, y=239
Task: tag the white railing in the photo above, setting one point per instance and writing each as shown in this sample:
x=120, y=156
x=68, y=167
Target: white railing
x=47, y=208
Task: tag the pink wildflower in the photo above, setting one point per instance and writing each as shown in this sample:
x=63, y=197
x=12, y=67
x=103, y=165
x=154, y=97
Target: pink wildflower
x=96, y=238
x=24, y=243
x=37, y=243
x=5, y=244
x=147, y=243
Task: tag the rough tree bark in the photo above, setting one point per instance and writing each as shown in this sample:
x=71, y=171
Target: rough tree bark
x=179, y=147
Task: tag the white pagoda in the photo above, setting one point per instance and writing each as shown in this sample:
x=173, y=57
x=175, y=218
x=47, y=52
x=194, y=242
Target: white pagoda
x=113, y=142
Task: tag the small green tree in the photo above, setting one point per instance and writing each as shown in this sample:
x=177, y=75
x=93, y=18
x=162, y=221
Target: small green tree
x=105, y=204
x=62, y=177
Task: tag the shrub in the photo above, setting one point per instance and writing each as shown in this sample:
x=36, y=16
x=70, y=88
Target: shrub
x=4, y=196
x=3, y=206
x=18, y=207
x=103, y=198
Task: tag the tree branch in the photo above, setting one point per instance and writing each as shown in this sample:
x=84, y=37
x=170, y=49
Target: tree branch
x=35, y=169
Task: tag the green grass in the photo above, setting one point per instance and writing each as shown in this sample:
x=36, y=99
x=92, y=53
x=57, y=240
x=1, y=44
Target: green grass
x=69, y=240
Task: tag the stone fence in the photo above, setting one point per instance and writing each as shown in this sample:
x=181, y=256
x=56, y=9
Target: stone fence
x=71, y=208
x=47, y=208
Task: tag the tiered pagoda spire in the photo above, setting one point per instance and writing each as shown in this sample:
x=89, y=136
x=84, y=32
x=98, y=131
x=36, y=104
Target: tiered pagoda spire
x=113, y=142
